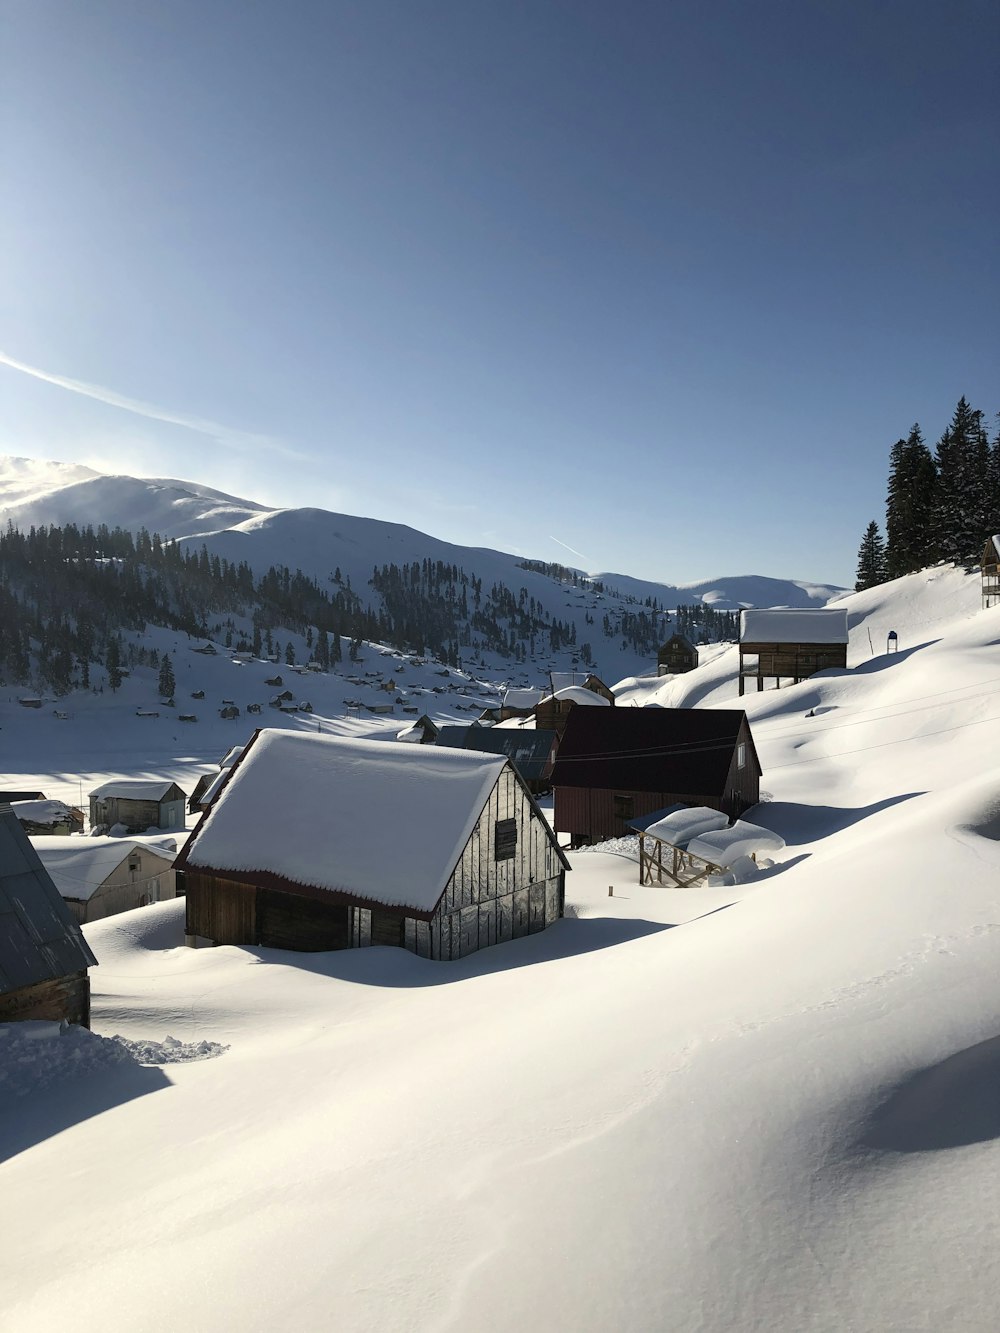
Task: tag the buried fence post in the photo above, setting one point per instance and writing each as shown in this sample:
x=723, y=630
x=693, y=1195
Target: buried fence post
x=611, y=890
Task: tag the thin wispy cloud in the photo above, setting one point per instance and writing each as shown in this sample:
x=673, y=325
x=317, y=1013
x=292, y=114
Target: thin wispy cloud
x=572, y=549
x=224, y=435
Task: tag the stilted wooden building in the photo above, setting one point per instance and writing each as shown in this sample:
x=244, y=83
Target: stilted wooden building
x=791, y=645
x=320, y=842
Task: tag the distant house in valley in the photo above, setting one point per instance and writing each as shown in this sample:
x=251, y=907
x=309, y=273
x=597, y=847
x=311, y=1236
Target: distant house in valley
x=43, y=955
x=531, y=751
x=676, y=656
x=321, y=842
x=552, y=713
x=99, y=877
x=614, y=766
x=793, y=645
x=991, y=571
x=137, y=805
x=48, y=818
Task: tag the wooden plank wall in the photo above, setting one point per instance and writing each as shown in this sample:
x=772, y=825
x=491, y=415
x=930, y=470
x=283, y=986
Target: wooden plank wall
x=64, y=998
x=220, y=909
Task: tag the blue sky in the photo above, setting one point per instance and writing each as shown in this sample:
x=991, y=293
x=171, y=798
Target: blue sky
x=658, y=284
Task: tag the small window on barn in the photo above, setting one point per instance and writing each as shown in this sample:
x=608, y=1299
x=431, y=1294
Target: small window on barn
x=741, y=755
x=135, y=863
x=624, y=806
x=505, y=839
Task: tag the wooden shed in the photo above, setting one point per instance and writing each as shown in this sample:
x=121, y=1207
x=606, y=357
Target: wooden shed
x=790, y=644
x=99, y=877
x=43, y=955
x=138, y=805
x=321, y=842
x=991, y=571
x=585, y=680
x=617, y=765
x=676, y=656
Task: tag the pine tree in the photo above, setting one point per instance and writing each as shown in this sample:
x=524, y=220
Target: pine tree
x=871, y=559
x=168, y=685
x=909, y=509
x=962, y=460
x=113, y=663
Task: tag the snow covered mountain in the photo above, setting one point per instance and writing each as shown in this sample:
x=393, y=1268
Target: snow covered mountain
x=318, y=541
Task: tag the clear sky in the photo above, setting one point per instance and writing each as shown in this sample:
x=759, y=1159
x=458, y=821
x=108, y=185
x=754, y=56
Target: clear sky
x=643, y=287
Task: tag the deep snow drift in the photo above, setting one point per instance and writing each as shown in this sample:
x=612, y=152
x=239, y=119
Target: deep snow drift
x=771, y=1106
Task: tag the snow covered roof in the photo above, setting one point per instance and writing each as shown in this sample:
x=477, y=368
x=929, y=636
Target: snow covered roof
x=136, y=790
x=79, y=866
x=42, y=812
x=578, y=694
x=689, y=822
x=378, y=822
x=522, y=697
x=787, y=626
x=723, y=846
x=232, y=756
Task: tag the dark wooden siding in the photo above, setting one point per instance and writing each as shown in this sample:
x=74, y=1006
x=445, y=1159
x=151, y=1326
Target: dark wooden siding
x=65, y=998
x=220, y=909
x=289, y=921
x=793, y=661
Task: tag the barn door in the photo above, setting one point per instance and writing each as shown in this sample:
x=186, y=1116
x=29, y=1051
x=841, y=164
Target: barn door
x=387, y=928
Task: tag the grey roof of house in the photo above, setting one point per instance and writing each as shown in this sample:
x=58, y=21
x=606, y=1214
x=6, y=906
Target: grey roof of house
x=528, y=750
x=39, y=939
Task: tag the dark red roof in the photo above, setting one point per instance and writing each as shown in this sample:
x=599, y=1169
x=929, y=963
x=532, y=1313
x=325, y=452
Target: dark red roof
x=651, y=749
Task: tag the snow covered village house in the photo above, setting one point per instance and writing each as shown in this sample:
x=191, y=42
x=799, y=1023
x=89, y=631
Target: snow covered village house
x=552, y=713
x=676, y=656
x=616, y=765
x=43, y=955
x=137, y=805
x=991, y=571
x=99, y=877
x=791, y=644
x=48, y=818
x=321, y=842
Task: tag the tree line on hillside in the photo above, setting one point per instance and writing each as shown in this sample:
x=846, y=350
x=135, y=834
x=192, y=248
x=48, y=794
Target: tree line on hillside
x=939, y=506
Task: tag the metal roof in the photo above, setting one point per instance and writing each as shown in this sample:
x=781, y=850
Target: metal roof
x=39, y=939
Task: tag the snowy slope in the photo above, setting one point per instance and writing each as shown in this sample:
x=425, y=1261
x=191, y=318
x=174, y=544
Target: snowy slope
x=771, y=1108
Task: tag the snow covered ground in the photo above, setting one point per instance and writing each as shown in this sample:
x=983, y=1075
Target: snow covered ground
x=768, y=1107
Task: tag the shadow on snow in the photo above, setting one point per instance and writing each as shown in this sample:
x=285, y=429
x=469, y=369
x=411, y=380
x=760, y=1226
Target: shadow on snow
x=799, y=824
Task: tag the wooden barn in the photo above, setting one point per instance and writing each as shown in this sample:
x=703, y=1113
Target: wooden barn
x=991, y=571
x=48, y=818
x=790, y=645
x=616, y=765
x=421, y=732
x=100, y=877
x=138, y=805
x=43, y=955
x=321, y=842
x=585, y=680
x=676, y=656
x=532, y=752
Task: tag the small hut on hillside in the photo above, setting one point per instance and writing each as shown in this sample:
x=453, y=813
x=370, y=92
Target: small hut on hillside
x=615, y=766
x=676, y=656
x=586, y=680
x=43, y=955
x=991, y=571
x=791, y=644
x=321, y=842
